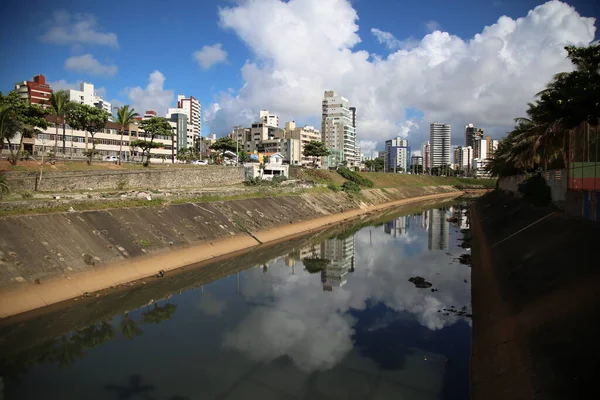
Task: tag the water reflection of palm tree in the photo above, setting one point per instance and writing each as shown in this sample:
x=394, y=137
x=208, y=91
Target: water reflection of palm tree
x=67, y=350
x=129, y=327
x=96, y=335
x=159, y=314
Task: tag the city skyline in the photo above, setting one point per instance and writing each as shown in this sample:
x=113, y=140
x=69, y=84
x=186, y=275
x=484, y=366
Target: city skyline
x=238, y=69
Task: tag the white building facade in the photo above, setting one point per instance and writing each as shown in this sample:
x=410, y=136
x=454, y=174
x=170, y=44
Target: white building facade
x=87, y=95
x=338, y=130
x=440, y=138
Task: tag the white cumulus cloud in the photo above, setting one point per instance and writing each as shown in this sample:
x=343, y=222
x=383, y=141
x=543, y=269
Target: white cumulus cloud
x=72, y=29
x=153, y=97
x=87, y=63
x=390, y=41
x=210, y=55
x=486, y=79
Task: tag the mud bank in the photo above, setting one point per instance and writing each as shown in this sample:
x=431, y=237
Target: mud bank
x=46, y=259
x=535, y=299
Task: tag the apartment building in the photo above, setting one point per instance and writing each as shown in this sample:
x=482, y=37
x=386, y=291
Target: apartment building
x=268, y=119
x=397, y=155
x=304, y=135
x=108, y=142
x=440, y=137
x=87, y=95
x=191, y=107
x=426, y=151
x=338, y=129
x=36, y=91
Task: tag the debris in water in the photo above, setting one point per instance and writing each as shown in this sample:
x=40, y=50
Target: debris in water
x=420, y=282
x=160, y=274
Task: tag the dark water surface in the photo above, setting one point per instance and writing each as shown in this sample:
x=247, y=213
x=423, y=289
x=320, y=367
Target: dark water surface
x=327, y=319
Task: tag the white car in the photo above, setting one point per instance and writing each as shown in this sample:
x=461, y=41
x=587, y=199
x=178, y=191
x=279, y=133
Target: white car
x=200, y=162
x=111, y=158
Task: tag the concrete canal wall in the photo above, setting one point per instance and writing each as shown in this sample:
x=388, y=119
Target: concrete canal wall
x=45, y=259
x=535, y=299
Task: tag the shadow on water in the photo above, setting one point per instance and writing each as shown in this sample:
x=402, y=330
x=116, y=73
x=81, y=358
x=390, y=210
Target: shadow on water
x=68, y=348
x=136, y=389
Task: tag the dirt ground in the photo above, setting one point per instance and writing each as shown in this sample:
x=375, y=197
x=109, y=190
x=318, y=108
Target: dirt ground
x=535, y=302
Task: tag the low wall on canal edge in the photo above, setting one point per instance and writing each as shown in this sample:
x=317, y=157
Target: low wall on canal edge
x=165, y=178
x=45, y=259
x=535, y=298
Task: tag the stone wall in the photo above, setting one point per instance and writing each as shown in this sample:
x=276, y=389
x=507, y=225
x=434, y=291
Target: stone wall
x=165, y=178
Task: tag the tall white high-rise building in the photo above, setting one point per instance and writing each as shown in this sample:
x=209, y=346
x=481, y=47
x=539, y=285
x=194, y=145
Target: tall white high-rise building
x=192, y=108
x=440, y=137
x=338, y=128
x=439, y=229
x=87, y=95
x=269, y=119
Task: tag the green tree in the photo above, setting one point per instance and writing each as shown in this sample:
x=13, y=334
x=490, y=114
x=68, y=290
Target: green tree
x=315, y=148
x=224, y=144
x=125, y=117
x=59, y=107
x=90, y=119
x=375, y=165
x=153, y=127
x=243, y=156
x=18, y=116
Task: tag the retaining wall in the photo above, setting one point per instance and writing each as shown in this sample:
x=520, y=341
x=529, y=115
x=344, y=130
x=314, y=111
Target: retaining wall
x=167, y=178
x=36, y=248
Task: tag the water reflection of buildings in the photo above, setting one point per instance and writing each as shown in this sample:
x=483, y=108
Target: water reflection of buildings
x=439, y=229
x=397, y=226
x=340, y=253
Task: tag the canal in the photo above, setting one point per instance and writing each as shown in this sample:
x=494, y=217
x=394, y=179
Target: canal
x=379, y=309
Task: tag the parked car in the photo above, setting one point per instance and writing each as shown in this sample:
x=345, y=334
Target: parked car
x=200, y=162
x=111, y=158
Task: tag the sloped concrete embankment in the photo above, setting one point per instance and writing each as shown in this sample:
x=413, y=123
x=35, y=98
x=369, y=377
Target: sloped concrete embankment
x=86, y=251
x=536, y=302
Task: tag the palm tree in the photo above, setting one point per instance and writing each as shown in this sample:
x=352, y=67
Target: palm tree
x=59, y=105
x=129, y=327
x=125, y=117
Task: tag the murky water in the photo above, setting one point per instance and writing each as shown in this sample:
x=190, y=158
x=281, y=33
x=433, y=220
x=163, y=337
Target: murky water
x=329, y=319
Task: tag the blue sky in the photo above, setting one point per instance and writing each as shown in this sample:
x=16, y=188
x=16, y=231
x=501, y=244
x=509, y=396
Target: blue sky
x=131, y=39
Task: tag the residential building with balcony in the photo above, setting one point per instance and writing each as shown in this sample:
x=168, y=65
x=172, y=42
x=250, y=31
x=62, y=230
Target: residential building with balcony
x=439, y=138
x=36, y=91
x=338, y=129
x=304, y=135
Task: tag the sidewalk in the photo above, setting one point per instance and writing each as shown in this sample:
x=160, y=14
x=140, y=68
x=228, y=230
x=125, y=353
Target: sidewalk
x=536, y=303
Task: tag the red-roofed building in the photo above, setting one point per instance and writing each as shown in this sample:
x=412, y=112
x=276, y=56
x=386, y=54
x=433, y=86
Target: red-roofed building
x=36, y=91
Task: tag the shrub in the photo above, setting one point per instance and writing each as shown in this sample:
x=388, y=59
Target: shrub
x=535, y=190
x=334, y=187
x=26, y=194
x=146, y=163
x=351, y=187
x=354, y=177
x=278, y=179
